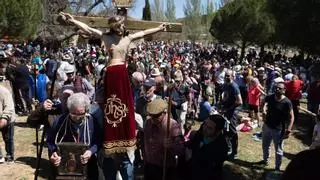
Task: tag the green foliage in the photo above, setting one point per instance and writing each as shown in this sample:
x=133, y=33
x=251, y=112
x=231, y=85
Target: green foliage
x=157, y=13
x=193, y=20
x=146, y=14
x=298, y=23
x=170, y=11
x=243, y=20
x=20, y=19
x=192, y=8
x=209, y=14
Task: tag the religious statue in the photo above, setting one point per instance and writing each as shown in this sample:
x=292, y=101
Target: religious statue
x=71, y=164
x=119, y=134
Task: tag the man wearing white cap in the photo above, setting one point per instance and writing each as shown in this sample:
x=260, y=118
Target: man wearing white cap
x=80, y=84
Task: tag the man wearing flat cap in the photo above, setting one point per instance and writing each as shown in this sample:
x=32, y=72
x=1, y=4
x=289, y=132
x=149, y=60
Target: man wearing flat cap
x=148, y=88
x=155, y=141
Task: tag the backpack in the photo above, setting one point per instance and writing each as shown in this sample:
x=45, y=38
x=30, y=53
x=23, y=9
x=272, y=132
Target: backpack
x=77, y=83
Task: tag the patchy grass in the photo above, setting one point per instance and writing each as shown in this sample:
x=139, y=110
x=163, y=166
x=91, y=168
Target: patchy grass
x=25, y=155
x=244, y=168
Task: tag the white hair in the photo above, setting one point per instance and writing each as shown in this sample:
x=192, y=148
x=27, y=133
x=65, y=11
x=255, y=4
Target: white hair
x=255, y=80
x=78, y=100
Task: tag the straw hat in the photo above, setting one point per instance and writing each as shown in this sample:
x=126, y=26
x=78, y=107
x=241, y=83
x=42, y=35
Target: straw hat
x=237, y=68
x=155, y=72
x=66, y=57
x=69, y=69
x=178, y=76
x=157, y=106
x=139, y=76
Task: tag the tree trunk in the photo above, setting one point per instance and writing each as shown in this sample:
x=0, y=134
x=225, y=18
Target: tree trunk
x=96, y=3
x=243, y=49
x=262, y=47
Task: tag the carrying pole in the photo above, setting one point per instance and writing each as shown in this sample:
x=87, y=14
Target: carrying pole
x=164, y=170
x=36, y=174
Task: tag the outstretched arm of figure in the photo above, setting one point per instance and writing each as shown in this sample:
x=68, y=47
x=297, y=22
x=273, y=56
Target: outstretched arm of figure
x=84, y=27
x=141, y=34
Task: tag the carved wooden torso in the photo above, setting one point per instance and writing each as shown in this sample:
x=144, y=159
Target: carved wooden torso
x=117, y=48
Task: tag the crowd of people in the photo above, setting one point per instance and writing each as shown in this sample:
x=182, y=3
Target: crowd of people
x=175, y=83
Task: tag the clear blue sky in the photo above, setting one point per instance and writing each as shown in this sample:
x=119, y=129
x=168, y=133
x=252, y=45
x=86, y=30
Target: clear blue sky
x=139, y=4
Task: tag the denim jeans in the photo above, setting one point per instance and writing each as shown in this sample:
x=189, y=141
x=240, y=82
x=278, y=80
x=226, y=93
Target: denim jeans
x=268, y=135
x=232, y=135
x=111, y=166
x=7, y=136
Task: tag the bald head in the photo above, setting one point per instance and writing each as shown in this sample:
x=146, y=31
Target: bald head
x=228, y=76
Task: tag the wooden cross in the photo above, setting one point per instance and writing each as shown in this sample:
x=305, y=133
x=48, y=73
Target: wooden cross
x=122, y=9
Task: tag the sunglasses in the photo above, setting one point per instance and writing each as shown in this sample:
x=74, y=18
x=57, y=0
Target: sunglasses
x=69, y=74
x=77, y=116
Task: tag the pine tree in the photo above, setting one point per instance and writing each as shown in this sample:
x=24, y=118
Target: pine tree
x=157, y=13
x=247, y=21
x=146, y=15
x=20, y=19
x=193, y=27
x=170, y=11
x=298, y=23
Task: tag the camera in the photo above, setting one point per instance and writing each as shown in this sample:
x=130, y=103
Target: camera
x=56, y=103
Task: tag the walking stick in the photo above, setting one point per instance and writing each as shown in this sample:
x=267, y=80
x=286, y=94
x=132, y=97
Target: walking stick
x=164, y=170
x=36, y=174
x=35, y=97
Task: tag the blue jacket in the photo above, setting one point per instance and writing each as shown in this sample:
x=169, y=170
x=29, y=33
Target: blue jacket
x=205, y=110
x=41, y=87
x=95, y=139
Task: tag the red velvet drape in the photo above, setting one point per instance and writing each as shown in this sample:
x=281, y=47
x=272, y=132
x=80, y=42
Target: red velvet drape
x=119, y=122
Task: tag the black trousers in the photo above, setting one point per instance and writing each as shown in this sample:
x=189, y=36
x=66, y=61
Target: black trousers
x=7, y=136
x=22, y=99
x=244, y=95
x=295, y=105
x=218, y=92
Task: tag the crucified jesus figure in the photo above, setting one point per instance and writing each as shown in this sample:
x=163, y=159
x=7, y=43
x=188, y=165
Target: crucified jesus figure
x=119, y=120
x=117, y=40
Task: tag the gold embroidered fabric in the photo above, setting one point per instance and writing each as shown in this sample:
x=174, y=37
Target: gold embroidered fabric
x=119, y=146
x=115, y=110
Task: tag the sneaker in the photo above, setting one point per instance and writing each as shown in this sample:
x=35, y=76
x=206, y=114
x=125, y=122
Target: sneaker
x=258, y=134
x=232, y=157
x=2, y=160
x=256, y=138
x=9, y=160
x=263, y=163
x=41, y=127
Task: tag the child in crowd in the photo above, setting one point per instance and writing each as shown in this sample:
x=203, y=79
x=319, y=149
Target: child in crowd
x=254, y=92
